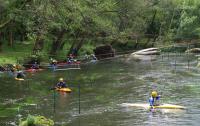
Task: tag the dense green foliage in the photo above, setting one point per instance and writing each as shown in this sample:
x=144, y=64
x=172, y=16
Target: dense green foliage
x=55, y=25
x=36, y=121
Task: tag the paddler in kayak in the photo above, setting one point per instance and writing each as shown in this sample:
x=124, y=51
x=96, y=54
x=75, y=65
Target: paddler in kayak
x=20, y=75
x=154, y=99
x=35, y=66
x=61, y=83
x=93, y=57
x=53, y=63
x=2, y=69
x=70, y=58
x=15, y=68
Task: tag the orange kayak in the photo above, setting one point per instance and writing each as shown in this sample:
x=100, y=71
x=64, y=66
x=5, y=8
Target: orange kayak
x=67, y=90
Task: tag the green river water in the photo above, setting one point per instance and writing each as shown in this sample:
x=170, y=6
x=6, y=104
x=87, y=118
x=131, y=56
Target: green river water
x=104, y=86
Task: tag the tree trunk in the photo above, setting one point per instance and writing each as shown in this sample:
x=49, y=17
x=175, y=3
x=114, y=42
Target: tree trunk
x=136, y=43
x=10, y=42
x=62, y=45
x=57, y=43
x=10, y=34
x=0, y=41
x=0, y=46
x=78, y=47
x=150, y=31
x=39, y=44
x=74, y=43
x=123, y=15
x=72, y=47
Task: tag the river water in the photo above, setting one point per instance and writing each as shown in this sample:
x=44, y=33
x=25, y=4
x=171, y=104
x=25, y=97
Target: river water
x=104, y=86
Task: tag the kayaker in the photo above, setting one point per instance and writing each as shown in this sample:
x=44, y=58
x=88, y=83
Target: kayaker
x=61, y=83
x=70, y=58
x=20, y=74
x=14, y=68
x=74, y=51
x=154, y=99
x=35, y=66
x=18, y=67
x=93, y=57
x=2, y=68
x=53, y=63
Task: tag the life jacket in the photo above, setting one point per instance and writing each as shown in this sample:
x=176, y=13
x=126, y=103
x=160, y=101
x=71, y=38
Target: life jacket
x=154, y=101
x=61, y=84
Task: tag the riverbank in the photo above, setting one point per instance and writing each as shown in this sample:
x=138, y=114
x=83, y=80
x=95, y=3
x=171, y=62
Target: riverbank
x=12, y=55
x=20, y=51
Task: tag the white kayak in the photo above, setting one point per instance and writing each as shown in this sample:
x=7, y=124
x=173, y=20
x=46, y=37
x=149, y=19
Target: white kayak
x=147, y=106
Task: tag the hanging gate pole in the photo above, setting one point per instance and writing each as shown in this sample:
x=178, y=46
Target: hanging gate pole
x=79, y=99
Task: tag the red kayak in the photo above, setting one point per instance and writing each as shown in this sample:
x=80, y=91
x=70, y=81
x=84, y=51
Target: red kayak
x=33, y=70
x=68, y=63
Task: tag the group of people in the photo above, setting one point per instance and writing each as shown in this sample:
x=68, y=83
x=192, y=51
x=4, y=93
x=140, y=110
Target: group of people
x=91, y=57
x=69, y=59
x=153, y=100
x=20, y=74
x=18, y=71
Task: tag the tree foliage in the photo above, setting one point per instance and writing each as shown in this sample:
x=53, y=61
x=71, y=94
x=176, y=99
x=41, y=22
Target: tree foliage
x=76, y=22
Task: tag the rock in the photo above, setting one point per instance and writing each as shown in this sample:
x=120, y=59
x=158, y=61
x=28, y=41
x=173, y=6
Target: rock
x=193, y=50
x=104, y=51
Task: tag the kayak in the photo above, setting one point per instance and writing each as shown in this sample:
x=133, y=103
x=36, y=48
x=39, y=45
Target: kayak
x=147, y=106
x=67, y=90
x=19, y=79
x=33, y=70
x=68, y=63
x=64, y=66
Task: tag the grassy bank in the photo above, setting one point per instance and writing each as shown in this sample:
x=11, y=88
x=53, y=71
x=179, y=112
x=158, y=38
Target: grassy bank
x=20, y=51
x=14, y=54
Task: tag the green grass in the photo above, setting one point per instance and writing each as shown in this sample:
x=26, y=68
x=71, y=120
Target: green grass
x=13, y=54
x=7, y=60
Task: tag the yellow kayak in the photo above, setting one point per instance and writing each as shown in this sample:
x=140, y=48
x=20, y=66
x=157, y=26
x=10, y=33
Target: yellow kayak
x=67, y=90
x=19, y=79
x=147, y=106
